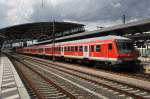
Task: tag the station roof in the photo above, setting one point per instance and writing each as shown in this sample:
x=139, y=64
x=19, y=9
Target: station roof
x=123, y=29
x=145, y=36
x=33, y=30
x=129, y=28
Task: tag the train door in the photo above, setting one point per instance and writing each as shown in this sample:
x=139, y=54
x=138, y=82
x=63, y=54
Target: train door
x=86, y=51
x=62, y=51
x=105, y=52
x=108, y=51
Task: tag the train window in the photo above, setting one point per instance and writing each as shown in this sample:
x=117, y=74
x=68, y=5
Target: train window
x=80, y=48
x=92, y=48
x=55, y=49
x=98, y=48
x=72, y=48
x=85, y=48
x=68, y=49
x=125, y=45
x=62, y=48
x=110, y=46
x=65, y=49
x=76, y=48
x=59, y=49
x=40, y=50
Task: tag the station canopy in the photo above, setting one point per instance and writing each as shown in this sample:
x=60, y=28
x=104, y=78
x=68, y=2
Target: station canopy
x=34, y=30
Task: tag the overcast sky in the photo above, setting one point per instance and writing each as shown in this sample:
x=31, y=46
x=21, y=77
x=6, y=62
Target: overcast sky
x=89, y=12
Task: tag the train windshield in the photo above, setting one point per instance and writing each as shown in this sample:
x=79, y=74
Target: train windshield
x=125, y=46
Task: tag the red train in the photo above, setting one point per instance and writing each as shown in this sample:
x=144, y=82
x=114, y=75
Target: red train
x=110, y=50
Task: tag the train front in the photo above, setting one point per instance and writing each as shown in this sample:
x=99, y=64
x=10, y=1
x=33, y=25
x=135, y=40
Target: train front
x=127, y=54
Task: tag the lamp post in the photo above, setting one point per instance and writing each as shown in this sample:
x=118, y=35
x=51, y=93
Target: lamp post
x=42, y=3
x=124, y=19
x=53, y=35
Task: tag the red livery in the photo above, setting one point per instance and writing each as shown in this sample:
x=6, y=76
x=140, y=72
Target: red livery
x=110, y=50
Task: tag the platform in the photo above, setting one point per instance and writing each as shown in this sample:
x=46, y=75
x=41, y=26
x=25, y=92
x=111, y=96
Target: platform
x=145, y=61
x=10, y=82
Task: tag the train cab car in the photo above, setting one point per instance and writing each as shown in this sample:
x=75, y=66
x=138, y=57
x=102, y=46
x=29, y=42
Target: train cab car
x=119, y=50
x=126, y=51
x=110, y=50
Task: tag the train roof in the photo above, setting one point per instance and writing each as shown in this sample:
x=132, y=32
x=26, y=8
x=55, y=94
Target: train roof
x=109, y=37
x=112, y=37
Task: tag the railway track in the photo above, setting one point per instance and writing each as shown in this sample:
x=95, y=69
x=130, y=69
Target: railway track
x=40, y=86
x=76, y=89
x=137, y=75
x=94, y=85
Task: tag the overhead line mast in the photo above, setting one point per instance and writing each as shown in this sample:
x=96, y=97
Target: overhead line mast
x=42, y=3
x=124, y=19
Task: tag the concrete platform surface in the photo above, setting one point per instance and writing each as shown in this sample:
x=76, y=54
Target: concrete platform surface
x=10, y=82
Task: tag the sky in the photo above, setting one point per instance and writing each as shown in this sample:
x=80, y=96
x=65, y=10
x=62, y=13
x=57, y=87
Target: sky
x=92, y=13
